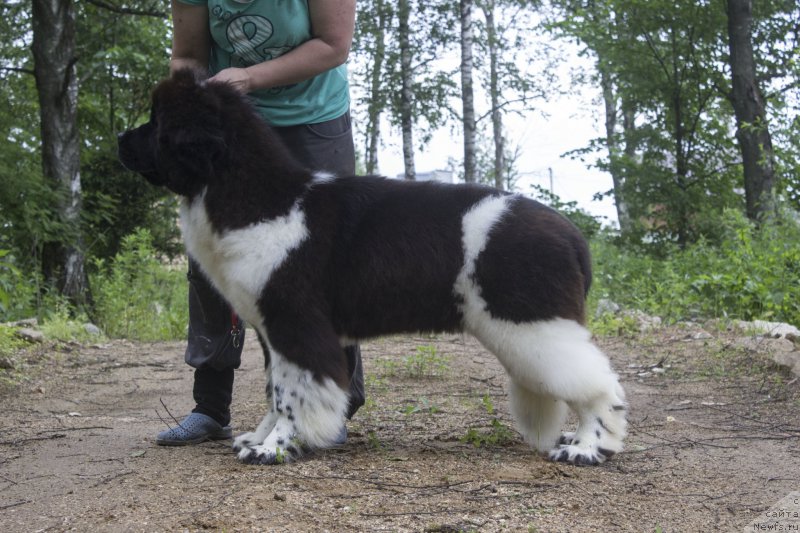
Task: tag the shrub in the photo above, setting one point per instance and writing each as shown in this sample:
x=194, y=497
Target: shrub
x=137, y=296
x=750, y=273
x=17, y=290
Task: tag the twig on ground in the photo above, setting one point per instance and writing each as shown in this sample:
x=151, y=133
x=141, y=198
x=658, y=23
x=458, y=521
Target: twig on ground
x=30, y=439
x=15, y=504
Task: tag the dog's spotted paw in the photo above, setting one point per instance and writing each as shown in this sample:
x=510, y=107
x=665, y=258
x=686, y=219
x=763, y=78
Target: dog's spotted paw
x=578, y=455
x=260, y=456
x=264, y=454
x=244, y=441
x=566, y=438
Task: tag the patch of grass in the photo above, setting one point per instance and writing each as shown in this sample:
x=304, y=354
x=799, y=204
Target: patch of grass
x=487, y=403
x=423, y=406
x=613, y=325
x=10, y=342
x=10, y=347
x=60, y=326
x=498, y=435
x=373, y=442
x=425, y=363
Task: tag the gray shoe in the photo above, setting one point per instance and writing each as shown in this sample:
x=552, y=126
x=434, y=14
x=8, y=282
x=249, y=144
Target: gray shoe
x=194, y=429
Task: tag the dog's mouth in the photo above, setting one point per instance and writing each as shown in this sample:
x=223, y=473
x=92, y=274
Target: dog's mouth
x=131, y=159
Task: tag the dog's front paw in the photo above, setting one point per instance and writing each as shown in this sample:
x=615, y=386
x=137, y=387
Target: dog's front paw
x=263, y=454
x=258, y=455
x=245, y=441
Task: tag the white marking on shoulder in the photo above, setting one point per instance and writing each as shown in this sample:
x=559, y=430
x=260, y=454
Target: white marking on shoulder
x=240, y=262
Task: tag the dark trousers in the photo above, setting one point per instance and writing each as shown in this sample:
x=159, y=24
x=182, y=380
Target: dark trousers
x=215, y=341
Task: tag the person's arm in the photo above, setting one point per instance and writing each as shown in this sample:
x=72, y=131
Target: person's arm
x=191, y=39
x=332, y=27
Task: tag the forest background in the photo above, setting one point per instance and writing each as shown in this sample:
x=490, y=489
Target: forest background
x=701, y=138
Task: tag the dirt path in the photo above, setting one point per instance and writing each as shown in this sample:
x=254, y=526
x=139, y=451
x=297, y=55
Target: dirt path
x=714, y=441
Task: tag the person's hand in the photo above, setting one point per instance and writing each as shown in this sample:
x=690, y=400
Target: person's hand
x=239, y=78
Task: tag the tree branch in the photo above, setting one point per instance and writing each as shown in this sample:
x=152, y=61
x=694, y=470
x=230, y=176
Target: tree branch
x=128, y=11
x=17, y=69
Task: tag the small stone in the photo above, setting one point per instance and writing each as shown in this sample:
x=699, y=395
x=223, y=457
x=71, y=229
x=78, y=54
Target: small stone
x=790, y=360
x=91, y=329
x=279, y=497
x=606, y=306
x=30, y=335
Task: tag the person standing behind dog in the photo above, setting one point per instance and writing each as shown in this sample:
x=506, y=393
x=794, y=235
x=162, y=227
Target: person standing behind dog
x=289, y=57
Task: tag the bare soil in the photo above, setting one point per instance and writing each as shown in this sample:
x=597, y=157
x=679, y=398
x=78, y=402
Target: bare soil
x=714, y=441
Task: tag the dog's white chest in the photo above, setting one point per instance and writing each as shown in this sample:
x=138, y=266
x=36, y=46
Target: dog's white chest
x=240, y=262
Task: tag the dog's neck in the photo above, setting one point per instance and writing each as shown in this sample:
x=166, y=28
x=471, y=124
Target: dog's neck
x=259, y=181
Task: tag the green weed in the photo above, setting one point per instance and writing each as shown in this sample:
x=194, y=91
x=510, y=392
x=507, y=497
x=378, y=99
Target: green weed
x=138, y=297
x=745, y=273
x=425, y=362
x=498, y=435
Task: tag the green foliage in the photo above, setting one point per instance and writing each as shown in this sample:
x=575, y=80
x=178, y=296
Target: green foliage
x=613, y=325
x=137, y=296
x=664, y=70
x=425, y=362
x=10, y=342
x=60, y=324
x=587, y=223
x=17, y=289
x=424, y=406
x=498, y=434
x=750, y=273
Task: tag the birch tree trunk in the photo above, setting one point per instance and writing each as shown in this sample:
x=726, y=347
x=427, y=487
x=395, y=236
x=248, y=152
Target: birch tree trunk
x=406, y=91
x=494, y=94
x=376, y=100
x=614, y=168
x=57, y=88
x=467, y=95
x=755, y=142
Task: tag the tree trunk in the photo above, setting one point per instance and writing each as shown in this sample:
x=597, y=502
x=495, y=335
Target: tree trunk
x=57, y=87
x=614, y=167
x=406, y=91
x=494, y=93
x=376, y=101
x=467, y=96
x=755, y=142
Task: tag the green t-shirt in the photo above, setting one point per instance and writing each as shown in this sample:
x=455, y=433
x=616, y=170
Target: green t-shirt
x=247, y=32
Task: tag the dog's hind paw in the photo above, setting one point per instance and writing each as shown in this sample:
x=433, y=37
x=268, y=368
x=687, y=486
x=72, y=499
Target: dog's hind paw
x=572, y=453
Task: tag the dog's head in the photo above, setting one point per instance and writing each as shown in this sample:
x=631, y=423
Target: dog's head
x=183, y=145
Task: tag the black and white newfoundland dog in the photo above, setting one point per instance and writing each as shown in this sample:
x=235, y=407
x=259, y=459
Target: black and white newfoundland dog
x=314, y=262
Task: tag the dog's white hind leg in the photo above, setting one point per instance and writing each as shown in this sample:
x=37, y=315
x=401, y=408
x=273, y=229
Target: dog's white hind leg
x=556, y=359
x=307, y=413
x=539, y=417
